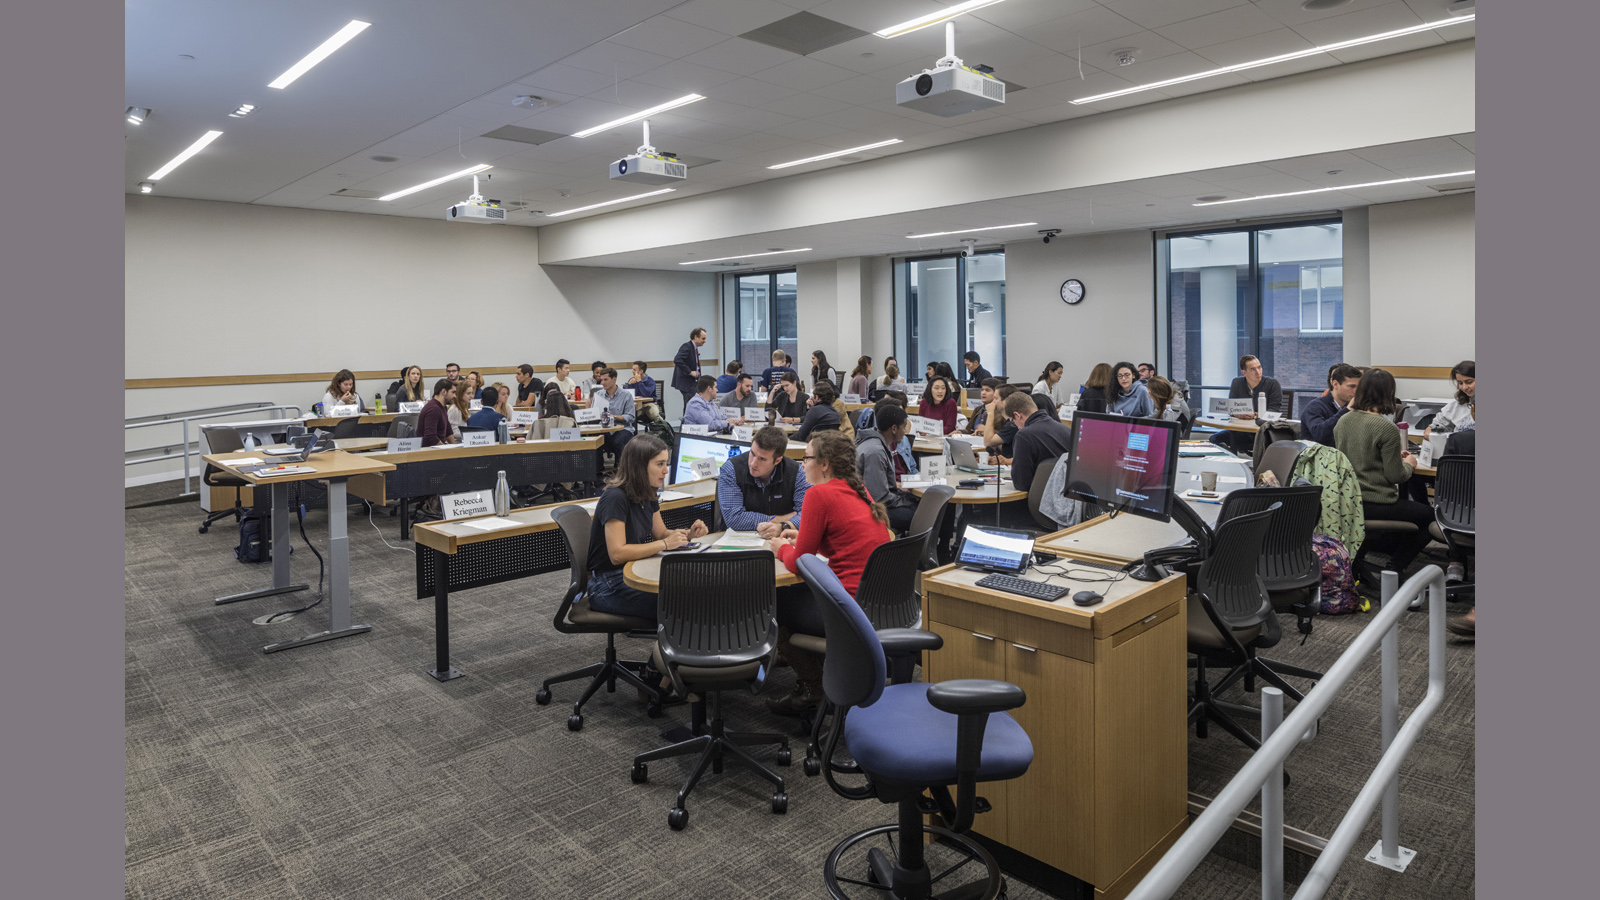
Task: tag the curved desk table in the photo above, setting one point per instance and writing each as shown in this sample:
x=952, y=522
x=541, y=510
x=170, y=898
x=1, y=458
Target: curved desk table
x=645, y=574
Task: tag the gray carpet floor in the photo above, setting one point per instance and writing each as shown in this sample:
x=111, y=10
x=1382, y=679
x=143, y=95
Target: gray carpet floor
x=342, y=770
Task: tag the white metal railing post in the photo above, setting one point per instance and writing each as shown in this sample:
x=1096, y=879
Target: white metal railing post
x=186, y=491
x=1272, y=802
x=1388, y=852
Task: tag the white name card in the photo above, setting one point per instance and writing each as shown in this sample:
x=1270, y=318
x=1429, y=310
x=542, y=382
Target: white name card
x=404, y=445
x=478, y=438
x=565, y=434
x=348, y=409
x=475, y=404
x=589, y=415
x=411, y=406
x=850, y=398
x=744, y=433
x=761, y=397
x=524, y=416
x=933, y=468
x=1240, y=406
x=922, y=425
x=704, y=467
x=460, y=506
x=697, y=429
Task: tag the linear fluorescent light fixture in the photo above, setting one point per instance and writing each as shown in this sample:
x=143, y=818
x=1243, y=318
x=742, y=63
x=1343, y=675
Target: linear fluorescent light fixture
x=943, y=15
x=136, y=115
x=912, y=237
x=836, y=153
x=1343, y=187
x=437, y=181
x=685, y=100
x=568, y=212
x=1298, y=54
x=244, y=109
x=339, y=39
x=744, y=256
x=179, y=160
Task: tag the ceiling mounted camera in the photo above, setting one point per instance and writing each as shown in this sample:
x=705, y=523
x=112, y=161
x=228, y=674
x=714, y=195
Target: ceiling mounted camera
x=1049, y=233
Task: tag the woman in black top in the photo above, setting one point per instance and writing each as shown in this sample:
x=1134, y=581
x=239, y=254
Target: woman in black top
x=554, y=403
x=787, y=399
x=410, y=389
x=627, y=526
x=821, y=371
x=1096, y=389
x=821, y=416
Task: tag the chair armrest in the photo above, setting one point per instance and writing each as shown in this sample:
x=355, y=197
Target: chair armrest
x=972, y=696
x=900, y=641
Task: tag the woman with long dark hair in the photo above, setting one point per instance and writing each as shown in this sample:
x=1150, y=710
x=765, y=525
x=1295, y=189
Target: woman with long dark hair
x=1128, y=395
x=1457, y=414
x=627, y=526
x=939, y=402
x=821, y=371
x=858, y=377
x=554, y=406
x=1050, y=383
x=1380, y=456
x=342, y=392
x=1096, y=390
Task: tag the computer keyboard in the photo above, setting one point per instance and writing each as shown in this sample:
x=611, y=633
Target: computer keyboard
x=1071, y=563
x=1011, y=584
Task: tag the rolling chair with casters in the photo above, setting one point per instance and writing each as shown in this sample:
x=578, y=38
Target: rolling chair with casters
x=1268, y=434
x=1278, y=458
x=1041, y=477
x=1455, y=510
x=928, y=519
x=718, y=631
x=403, y=425
x=1289, y=568
x=575, y=617
x=223, y=439
x=346, y=428
x=908, y=739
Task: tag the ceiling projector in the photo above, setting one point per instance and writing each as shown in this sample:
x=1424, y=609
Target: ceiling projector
x=648, y=166
x=951, y=88
x=476, y=209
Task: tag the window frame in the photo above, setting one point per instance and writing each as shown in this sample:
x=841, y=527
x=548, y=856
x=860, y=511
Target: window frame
x=912, y=365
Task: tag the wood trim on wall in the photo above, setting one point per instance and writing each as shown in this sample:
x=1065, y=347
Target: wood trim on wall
x=1411, y=371
x=386, y=375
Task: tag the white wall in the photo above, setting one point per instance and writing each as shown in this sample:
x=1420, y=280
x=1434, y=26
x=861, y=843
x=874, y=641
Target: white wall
x=236, y=289
x=817, y=309
x=1423, y=285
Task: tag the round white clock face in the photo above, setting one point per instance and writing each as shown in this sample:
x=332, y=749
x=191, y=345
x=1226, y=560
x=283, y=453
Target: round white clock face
x=1072, y=290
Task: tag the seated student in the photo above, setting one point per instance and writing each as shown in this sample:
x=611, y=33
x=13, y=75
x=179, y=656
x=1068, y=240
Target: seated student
x=592, y=383
x=1165, y=404
x=503, y=406
x=486, y=417
x=1051, y=384
x=875, y=460
x=342, y=392
x=529, y=388
x=702, y=411
x=563, y=379
x=627, y=526
x=998, y=432
x=461, y=408
x=1147, y=371
x=729, y=376
x=1040, y=436
x=842, y=524
x=939, y=403
x=930, y=371
x=741, y=397
x=788, y=400
x=477, y=384
x=1377, y=452
x=976, y=373
x=845, y=425
x=452, y=371
x=889, y=381
x=1462, y=443
x=821, y=416
x=1322, y=414
x=821, y=371
x=943, y=370
x=553, y=407
x=986, y=398
x=858, y=377
x=1457, y=414
x=618, y=403
x=433, y=423
x=1096, y=390
x=1128, y=396
x=395, y=385
x=762, y=490
x=773, y=373
x=1251, y=384
x=641, y=384
x=409, y=389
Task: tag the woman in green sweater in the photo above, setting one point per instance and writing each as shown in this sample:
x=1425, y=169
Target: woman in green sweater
x=1377, y=451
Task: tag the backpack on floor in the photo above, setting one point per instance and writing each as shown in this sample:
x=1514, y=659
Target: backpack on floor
x=255, y=542
x=1339, y=595
x=662, y=429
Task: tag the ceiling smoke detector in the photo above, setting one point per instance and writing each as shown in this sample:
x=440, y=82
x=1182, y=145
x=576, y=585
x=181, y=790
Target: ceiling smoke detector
x=1460, y=7
x=1127, y=56
x=531, y=101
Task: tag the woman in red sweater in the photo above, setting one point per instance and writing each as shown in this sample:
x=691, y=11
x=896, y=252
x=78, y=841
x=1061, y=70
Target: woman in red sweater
x=840, y=523
x=939, y=402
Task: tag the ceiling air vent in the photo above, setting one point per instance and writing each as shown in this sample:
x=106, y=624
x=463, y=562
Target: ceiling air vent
x=1449, y=186
x=357, y=194
x=803, y=33
x=523, y=135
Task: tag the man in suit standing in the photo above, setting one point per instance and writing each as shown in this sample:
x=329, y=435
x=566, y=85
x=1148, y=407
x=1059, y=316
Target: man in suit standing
x=686, y=365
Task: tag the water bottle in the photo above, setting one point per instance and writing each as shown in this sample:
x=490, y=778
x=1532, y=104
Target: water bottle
x=503, y=431
x=577, y=394
x=377, y=403
x=502, y=494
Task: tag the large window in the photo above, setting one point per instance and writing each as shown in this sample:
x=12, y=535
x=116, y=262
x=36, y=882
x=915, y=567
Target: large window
x=947, y=305
x=765, y=318
x=1273, y=291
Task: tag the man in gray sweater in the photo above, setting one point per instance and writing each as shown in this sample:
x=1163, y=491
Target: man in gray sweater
x=875, y=462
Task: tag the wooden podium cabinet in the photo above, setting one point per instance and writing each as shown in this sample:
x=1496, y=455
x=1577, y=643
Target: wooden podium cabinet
x=1106, y=711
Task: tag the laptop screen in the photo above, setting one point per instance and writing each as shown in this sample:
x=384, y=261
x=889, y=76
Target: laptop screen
x=996, y=549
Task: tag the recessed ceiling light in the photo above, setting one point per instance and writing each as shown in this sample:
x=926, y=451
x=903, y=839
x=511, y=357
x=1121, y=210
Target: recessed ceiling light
x=146, y=187
x=244, y=109
x=698, y=262
x=685, y=100
x=437, y=181
x=136, y=115
x=835, y=153
x=943, y=15
x=178, y=160
x=1342, y=187
x=323, y=51
x=1257, y=63
x=970, y=230
x=568, y=212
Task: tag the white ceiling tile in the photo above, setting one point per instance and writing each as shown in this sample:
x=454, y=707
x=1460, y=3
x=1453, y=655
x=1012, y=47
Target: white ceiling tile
x=1291, y=67
x=912, y=52
x=1057, y=113
x=1275, y=183
x=749, y=92
x=757, y=142
x=1403, y=149
x=1360, y=23
x=1147, y=46
x=688, y=78
x=615, y=60
x=859, y=119
x=1352, y=169
x=1289, y=12
x=506, y=93
x=569, y=80
x=872, y=15
x=805, y=106
x=636, y=94
x=994, y=125
x=1468, y=141
x=697, y=129
x=860, y=89
x=1256, y=46
x=732, y=115
x=1156, y=13
x=1082, y=29
x=1213, y=83
x=1458, y=160
x=1171, y=186
x=806, y=130
x=1387, y=48
x=741, y=57
x=668, y=37
x=1093, y=83
x=1017, y=17
x=805, y=74
x=731, y=17
x=1228, y=25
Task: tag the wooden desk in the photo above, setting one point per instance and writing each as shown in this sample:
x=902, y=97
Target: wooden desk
x=335, y=468
x=455, y=556
x=645, y=574
x=984, y=496
x=1106, y=710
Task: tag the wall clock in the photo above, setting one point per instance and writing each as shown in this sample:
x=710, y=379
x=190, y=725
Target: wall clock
x=1072, y=291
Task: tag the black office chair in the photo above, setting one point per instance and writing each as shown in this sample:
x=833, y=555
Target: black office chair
x=1278, y=458
x=718, y=631
x=403, y=425
x=575, y=617
x=1267, y=434
x=346, y=427
x=1455, y=510
x=223, y=439
x=907, y=739
x=928, y=519
x=1289, y=568
x=1041, y=477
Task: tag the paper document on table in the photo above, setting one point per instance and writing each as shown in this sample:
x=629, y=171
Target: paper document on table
x=246, y=461
x=673, y=495
x=739, y=540
x=1232, y=479
x=493, y=523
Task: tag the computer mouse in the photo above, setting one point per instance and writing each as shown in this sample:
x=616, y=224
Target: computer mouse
x=1086, y=598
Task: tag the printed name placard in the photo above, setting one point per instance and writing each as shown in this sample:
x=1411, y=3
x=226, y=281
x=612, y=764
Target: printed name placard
x=697, y=429
x=411, y=406
x=1240, y=406
x=478, y=438
x=922, y=425
x=589, y=415
x=348, y=409
x=475, y=404
x=460, y=506
x=565, y=434
x=761, y=397
x=524, y=416
x=934, y=468
x=704, y=467
x=404, y=445
x=744, y=433
x=850, y=398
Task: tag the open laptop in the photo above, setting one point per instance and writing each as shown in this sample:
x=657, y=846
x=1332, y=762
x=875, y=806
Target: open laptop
x=299, y=449
x=965, y=459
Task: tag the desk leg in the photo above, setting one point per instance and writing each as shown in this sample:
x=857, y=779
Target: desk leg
x=280, y=551
x=442, y=670
x=338, y=576
x=405, y=518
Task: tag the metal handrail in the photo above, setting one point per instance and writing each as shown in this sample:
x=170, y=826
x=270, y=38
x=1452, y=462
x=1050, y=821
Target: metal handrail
x=210, y=412
x=1263, y=772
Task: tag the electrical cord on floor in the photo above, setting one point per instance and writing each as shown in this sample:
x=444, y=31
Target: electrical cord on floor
x=300, y=516
x=380, y=531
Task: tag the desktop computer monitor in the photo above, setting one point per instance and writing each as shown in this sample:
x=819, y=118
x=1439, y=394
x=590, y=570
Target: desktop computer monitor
x=695, y=446
x=1126, y=464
